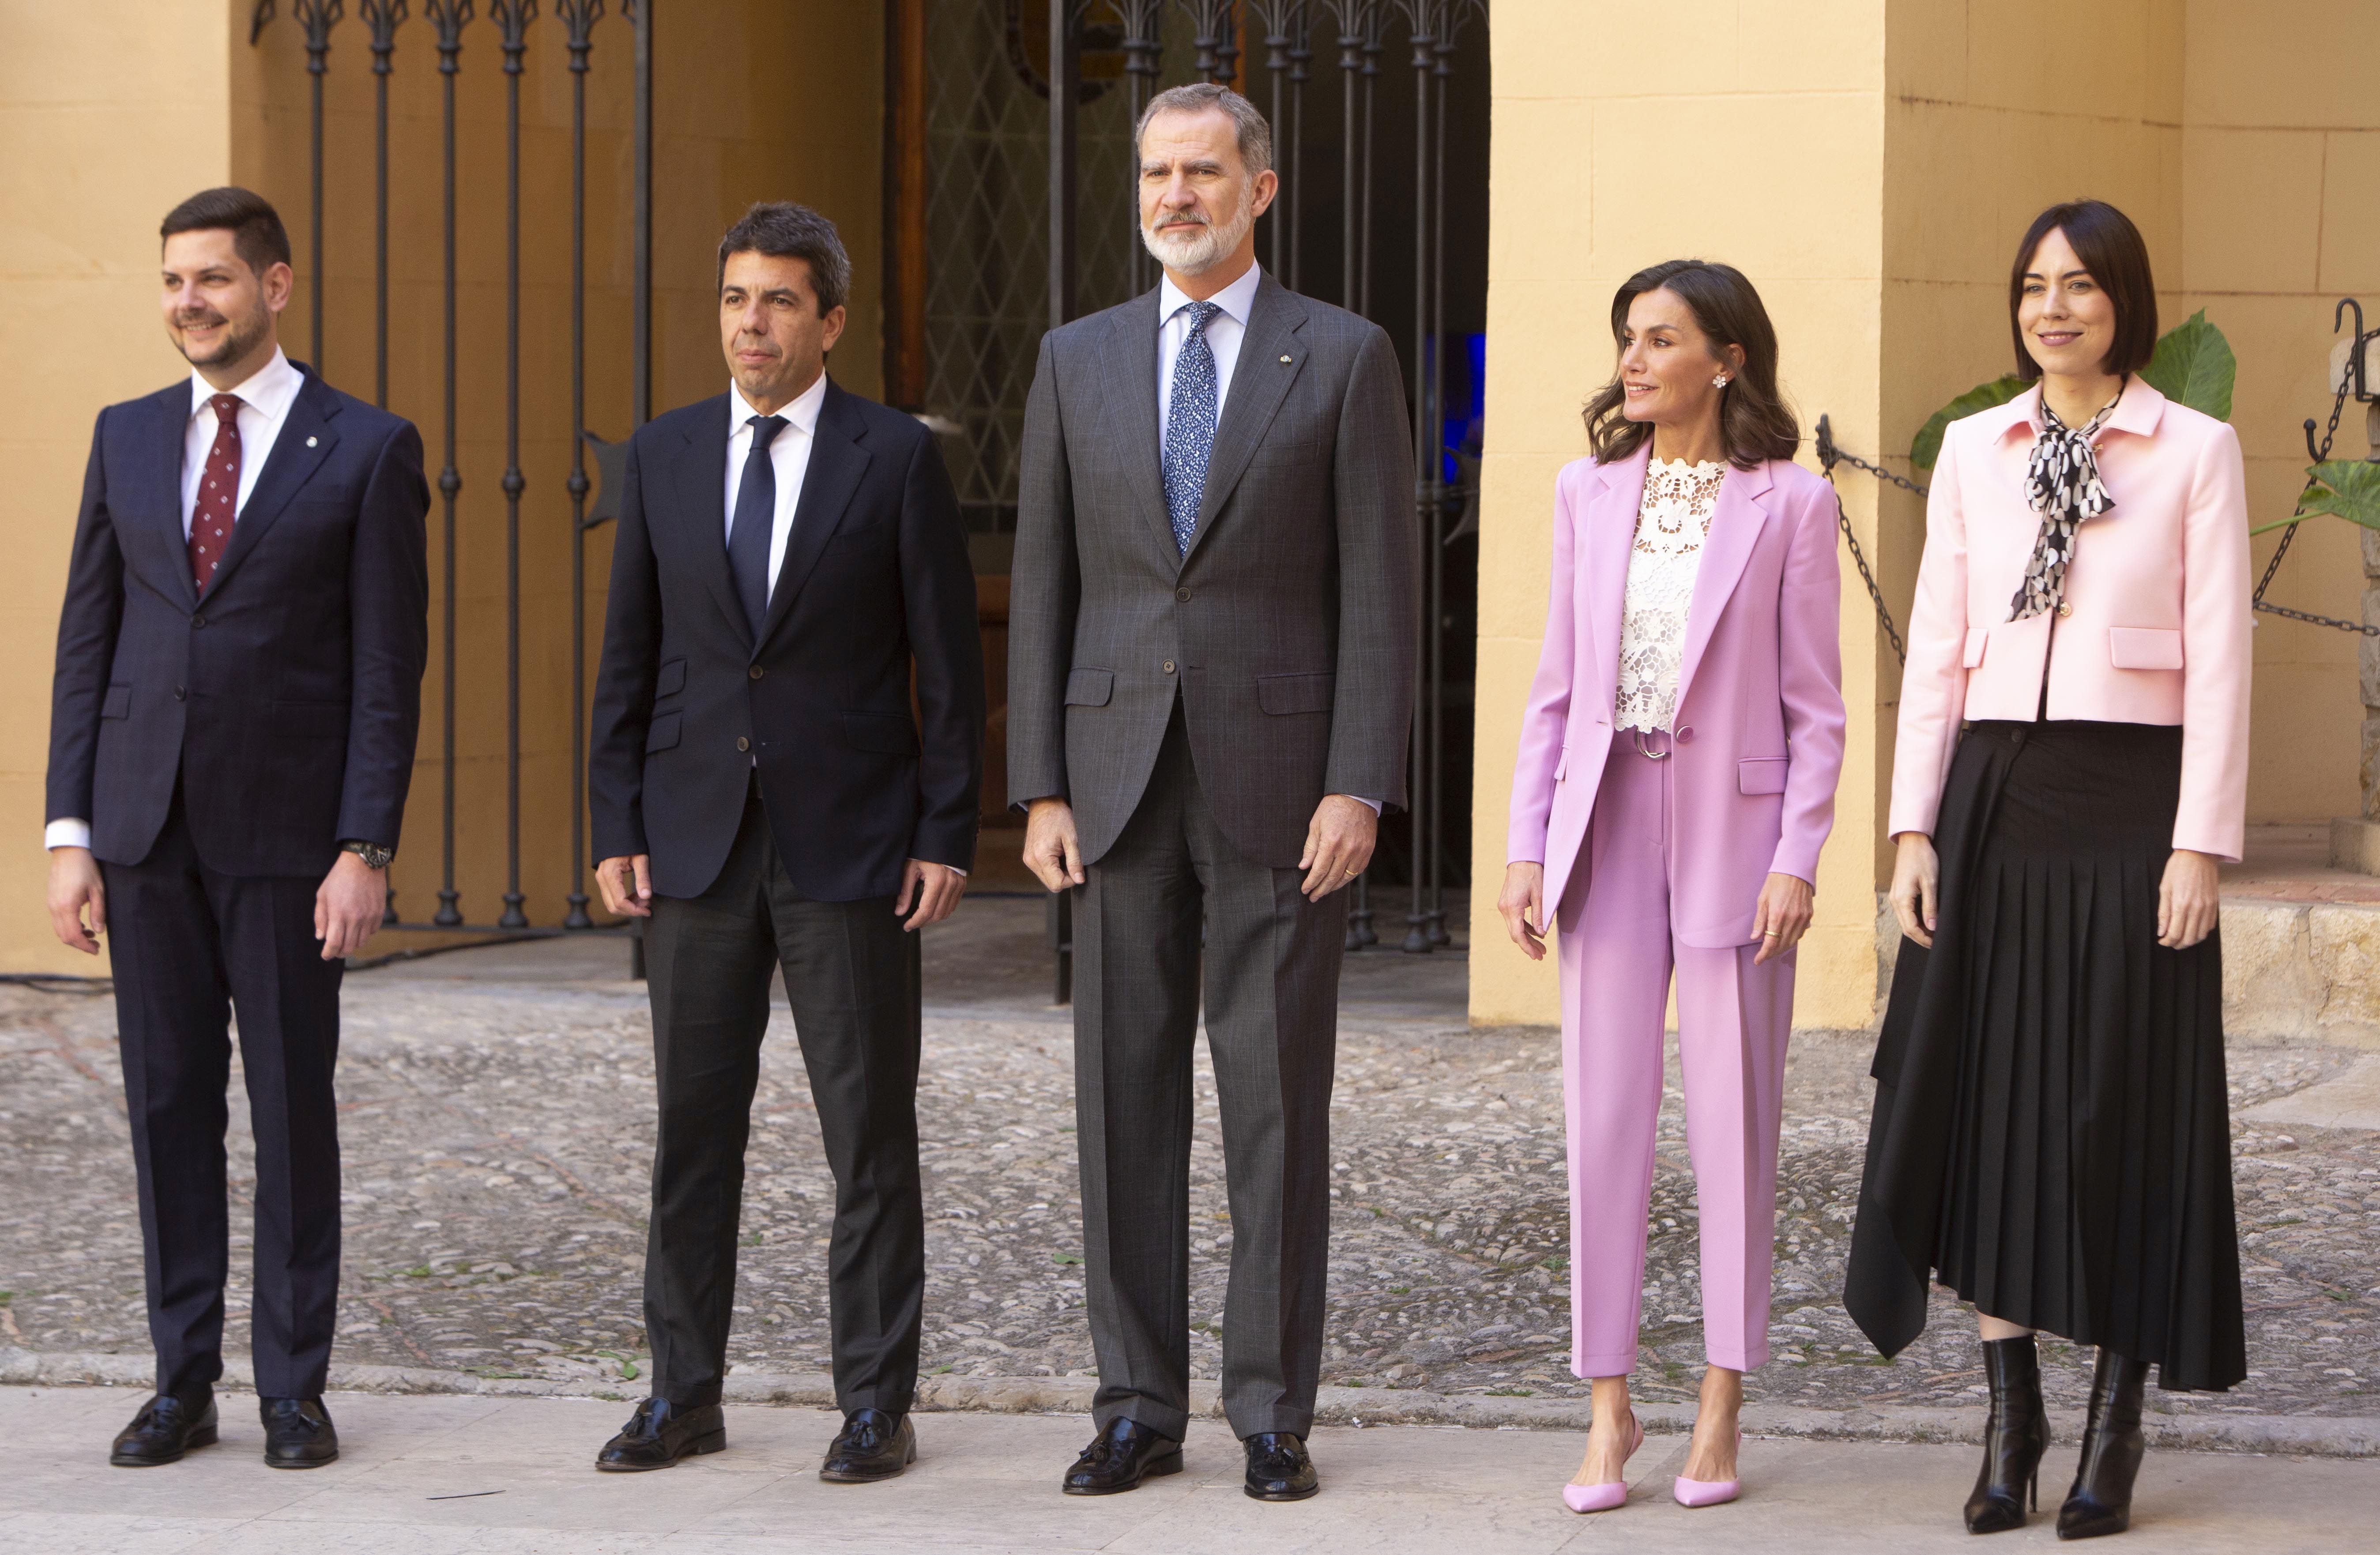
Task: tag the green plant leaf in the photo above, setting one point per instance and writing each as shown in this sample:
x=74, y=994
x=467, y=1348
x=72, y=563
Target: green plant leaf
x=2347, y=488
x=1927, y=445
x=2194, y=364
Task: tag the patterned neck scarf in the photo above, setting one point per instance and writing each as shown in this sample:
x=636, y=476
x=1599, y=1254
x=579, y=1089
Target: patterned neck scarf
x=2062, y=485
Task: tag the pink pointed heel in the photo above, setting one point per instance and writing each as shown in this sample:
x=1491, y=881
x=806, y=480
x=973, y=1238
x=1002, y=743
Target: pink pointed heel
x=1603, y=1498
x=1708, y=1492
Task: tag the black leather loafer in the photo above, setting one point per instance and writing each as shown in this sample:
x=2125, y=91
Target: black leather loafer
x=1278, y=1469
x=297, y=1433
x=873, y=1445
x=1119, y=1458
x=658, y=1434
x=166, y=1428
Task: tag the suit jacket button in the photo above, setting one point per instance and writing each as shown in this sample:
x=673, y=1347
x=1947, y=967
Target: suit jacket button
x=181, y=694
x=2064, y=608
x=1683, y=736
x=198, y=620
x=743, y=744
x=754, y=671
x=1183, y=595
x=1169, y=666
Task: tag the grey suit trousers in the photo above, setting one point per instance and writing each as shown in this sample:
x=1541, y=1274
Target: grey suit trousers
x=1269, y=972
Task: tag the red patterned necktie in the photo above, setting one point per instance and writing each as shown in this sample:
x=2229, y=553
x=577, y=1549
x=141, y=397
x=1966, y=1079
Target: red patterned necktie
x=211, y=519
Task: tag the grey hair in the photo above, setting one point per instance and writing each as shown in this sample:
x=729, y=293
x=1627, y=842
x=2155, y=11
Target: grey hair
x=783, y=230
x=1256, y=134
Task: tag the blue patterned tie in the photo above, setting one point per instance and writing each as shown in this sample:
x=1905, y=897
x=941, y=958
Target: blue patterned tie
x=1190, y=426
x=753, y=527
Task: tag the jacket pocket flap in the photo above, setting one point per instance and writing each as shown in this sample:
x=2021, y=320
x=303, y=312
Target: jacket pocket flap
x=1976, y=638
x=672, y=679
x=1295, y=693
x=1089, y=688
x=1761, y=774
x=888, y=733
x=118, y=703
x=2143, y=648
x=662, y=735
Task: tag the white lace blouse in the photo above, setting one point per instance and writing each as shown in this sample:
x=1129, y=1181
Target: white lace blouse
x=1672, y=523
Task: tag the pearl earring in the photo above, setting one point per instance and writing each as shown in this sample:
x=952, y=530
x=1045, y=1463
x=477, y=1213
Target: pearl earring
x=1719, y=382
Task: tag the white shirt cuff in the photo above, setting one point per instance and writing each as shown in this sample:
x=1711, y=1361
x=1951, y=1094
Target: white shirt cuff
x=1373, y=804
x=66, y=833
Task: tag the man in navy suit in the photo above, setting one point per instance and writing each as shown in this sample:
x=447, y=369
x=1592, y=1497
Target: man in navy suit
x=231, y=736
x=790, y=567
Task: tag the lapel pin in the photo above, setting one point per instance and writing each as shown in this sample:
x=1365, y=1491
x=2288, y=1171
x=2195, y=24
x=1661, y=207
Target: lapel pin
x=1284, y=361
x=309, y=442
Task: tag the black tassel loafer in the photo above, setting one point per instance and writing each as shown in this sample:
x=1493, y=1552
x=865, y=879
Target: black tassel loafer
x=658, y=1434
x=297, y=1433
x=1279, y=1468
x=1119, y=1458
x=873, y=1445
x=167, y=1427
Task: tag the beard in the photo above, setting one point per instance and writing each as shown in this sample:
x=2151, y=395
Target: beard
x=1190, y=245
x=237, y=342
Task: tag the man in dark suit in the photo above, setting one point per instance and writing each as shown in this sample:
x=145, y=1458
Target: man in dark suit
x=1210, y=669
x=231, y=736
x=790, y=563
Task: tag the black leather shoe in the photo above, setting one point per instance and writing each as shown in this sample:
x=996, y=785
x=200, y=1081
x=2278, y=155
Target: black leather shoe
x=297, y=1433
x=1119, y=1458
x=2101, y=1500
x=2015, y=1436
x=658, y=1434
x=166, y=1428
x=873, y=1445
x=1278, y=1469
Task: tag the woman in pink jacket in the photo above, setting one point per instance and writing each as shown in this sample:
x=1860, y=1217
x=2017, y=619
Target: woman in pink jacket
x=2049, y=1139
x=1675, y=782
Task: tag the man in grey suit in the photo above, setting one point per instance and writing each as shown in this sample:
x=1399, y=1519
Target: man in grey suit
x=1210, y=669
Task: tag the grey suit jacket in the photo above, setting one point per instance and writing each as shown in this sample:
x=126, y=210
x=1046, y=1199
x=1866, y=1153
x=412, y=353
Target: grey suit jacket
x=1288, y=630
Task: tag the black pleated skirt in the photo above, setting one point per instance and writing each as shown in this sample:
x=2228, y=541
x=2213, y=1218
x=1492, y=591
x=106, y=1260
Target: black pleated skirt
x=2051, y=1137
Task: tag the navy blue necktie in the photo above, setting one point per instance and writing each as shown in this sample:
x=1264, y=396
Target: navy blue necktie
x=1190, y=425
x=756, y=517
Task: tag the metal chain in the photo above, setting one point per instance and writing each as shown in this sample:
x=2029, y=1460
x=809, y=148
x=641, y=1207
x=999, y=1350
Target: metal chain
x=2320, y=453
x=1859, y=558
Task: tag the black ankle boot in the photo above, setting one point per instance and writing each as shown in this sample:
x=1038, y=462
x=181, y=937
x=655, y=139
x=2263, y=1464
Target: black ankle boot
x=2014, y=1438
x=2101, y=1500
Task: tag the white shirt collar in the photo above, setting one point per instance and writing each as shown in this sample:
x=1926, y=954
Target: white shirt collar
x=267, y=391
x=1236, y=301
x=803, y=413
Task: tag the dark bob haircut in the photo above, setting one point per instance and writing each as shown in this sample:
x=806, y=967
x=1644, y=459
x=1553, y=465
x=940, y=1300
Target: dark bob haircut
x=1752, y=420
x=2111, y=248
x=783, y=230
x=257, y=235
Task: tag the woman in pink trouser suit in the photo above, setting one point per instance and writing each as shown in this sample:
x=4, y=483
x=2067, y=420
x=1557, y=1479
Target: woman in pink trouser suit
x=1675, y=782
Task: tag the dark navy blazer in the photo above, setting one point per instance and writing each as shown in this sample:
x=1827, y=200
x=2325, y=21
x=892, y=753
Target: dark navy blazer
x=875, y=583
x=286, y=699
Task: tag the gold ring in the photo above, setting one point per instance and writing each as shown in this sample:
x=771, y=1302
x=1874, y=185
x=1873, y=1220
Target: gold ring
x=1771, y=934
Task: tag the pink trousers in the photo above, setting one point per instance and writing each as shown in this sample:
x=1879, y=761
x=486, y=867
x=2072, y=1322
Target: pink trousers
x=1616, y=952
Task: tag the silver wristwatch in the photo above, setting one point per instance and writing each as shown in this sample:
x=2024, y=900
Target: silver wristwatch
x=374, y=856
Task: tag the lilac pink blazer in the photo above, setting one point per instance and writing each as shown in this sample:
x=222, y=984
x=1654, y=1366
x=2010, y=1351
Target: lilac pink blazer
x=2156, y=624
x=1760, y=726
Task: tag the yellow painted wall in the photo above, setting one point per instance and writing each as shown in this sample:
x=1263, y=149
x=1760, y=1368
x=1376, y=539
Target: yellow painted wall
x=1871, y=166
x=753, y=99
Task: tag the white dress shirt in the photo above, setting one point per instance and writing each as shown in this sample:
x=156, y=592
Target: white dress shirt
x=265, y=395
x=1225, y=332
x=789, y=456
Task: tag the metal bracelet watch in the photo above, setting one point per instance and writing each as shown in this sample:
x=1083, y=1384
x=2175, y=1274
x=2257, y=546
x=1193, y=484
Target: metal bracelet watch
x=374, y=856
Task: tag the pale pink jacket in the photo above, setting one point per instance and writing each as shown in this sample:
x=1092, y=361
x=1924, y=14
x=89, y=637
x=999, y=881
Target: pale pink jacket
x=2156, y=624
x=1760, y=726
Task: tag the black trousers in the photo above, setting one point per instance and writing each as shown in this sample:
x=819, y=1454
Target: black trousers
x=1172, y=910
x=851, y=978
x=188, y=945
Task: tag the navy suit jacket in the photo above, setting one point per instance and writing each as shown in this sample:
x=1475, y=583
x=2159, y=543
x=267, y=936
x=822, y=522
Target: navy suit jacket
x=285, y=699
x=875, y=590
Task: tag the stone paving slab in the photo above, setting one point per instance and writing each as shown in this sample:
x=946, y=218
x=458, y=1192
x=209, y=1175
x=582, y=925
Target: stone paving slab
x=497, y=1116
x=431, y=1476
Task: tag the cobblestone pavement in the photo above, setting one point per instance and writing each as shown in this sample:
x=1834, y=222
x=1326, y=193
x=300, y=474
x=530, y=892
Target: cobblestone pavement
x=498, y=1116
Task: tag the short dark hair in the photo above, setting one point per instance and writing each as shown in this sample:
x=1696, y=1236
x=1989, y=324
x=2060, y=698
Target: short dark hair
x=783, y=230
x=1754, y=422
x=2112, y=249
x=257, y=235
x=1248, y=124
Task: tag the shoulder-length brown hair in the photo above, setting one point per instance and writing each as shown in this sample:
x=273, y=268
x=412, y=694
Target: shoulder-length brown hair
x=2111, y=249
x=1753, y=421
